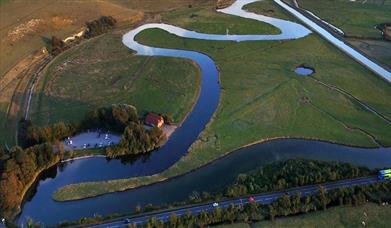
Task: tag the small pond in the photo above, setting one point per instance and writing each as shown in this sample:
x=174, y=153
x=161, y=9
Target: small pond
x=305, y=71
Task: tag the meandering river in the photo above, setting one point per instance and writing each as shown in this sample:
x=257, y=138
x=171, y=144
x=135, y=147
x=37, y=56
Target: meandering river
x=42, y=208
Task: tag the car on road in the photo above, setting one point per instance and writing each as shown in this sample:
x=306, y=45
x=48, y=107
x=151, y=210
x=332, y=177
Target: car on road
x=251, y=199
x=127, y=221
x=215, y=204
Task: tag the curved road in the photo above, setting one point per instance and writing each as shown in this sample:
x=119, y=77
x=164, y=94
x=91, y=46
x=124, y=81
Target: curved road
x=265, y=198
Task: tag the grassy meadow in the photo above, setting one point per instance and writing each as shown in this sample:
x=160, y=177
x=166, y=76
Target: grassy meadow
x=343, y=216
x=262, y=98
x=102, y=72
x=355, y=18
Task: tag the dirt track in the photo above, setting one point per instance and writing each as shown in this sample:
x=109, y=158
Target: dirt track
x=13, y=87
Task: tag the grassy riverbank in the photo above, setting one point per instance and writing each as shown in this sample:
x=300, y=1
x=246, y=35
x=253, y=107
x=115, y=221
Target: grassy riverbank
x=102, y=72
x=262, y=98
x=343, y=216
x=77, y=154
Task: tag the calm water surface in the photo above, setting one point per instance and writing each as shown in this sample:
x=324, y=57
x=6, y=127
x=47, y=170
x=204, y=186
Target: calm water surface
x=304, y=71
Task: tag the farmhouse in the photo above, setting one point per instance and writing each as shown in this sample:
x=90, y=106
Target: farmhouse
x=154, y=120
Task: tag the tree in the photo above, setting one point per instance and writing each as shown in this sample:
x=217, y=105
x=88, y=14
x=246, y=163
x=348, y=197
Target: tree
x=138, y=209
x=284, y=205
x=173, y=220
x=57, y=45
x=323, y=197
x=272, y=212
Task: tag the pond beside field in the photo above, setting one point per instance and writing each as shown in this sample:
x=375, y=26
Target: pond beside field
x=304, y=71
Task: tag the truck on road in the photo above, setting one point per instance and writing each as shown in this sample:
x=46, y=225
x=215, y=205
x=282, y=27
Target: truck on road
x=385, y=174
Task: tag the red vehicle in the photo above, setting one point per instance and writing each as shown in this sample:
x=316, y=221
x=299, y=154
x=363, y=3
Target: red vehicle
x=251, y=199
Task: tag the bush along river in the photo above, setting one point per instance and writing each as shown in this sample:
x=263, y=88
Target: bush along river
x=41, y=208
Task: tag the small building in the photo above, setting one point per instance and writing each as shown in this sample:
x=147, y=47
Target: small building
x=154, y=120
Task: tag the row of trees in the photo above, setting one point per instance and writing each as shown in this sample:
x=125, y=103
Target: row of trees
x=291, y=173
x=284, y=206
x=253, y=212
x=18, y=169
x=100, y=26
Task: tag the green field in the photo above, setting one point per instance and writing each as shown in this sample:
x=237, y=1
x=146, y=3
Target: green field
x=207, y=20
x=262, y=98
x=102, y=72
x=355, y=18
x=268, y=8
x=344, y=216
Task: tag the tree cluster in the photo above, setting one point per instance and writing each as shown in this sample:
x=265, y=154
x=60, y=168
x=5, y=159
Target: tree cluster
x=57, y=45
x=136, y=140
x=292, y=173
x=114, y=118
x=100, y=26
x=18, y=169
x=30, y=135
x=124, y=118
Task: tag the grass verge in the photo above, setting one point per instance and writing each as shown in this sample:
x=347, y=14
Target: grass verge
x=342, y=216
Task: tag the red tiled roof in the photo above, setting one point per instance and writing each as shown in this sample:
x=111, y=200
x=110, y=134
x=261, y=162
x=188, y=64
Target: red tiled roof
x=153, y=119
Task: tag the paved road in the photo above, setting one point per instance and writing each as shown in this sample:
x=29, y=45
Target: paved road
x=266, y=198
